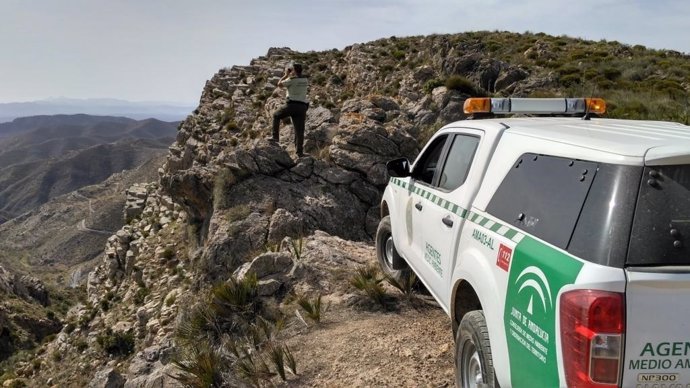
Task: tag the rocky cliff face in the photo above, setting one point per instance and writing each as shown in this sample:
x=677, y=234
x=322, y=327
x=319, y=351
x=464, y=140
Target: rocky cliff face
x=227, y=196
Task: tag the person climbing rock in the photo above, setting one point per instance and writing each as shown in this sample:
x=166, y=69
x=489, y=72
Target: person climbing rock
x=296, y=105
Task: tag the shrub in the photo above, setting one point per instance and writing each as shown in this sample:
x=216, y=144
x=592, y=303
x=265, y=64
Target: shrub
x=569, y=80
x=405, y=285
x=296, y=245
x=116, y=343
x=312, y=307
x=168, y=253
x=398, y=54
x=318, y=79
x=235, y=297
x=432, y=84
x=336, y=80
x=81, y=345
x=201, y=366
x=461, y=84
x=69, y=327
x=368, y=280
x=141, y=295
x=612, y=73
x=232, y=126
x=238, y=212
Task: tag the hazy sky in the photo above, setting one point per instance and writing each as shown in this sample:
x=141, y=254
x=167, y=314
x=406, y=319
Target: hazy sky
x=164, y=50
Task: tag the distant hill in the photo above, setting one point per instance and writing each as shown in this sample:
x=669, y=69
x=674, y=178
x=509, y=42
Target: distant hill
x=52, y=237
x=165, y=111
x=46, y=156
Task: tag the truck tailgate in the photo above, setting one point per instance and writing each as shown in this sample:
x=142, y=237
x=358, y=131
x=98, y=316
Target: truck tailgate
x=657, y=342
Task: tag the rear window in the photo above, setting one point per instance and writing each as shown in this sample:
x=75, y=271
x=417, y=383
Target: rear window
x=661, y=226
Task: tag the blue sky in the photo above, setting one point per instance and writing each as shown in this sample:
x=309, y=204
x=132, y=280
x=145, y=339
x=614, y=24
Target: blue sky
x=164, y=50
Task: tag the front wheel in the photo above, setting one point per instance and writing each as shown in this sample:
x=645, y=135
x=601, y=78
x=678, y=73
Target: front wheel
x=391, y=263
x=474, y=367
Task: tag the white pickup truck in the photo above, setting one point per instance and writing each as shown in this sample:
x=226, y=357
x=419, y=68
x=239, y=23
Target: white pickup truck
x=558, y=246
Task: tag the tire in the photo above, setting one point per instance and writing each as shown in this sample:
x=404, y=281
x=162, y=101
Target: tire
x=386, y=253
x=474, y=367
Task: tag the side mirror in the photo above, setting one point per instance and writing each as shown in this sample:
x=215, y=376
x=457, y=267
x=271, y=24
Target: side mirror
x=398, y=168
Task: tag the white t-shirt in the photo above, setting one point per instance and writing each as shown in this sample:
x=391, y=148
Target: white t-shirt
x=296, y=88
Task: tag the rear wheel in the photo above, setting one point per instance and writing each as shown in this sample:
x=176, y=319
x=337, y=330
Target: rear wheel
x=474, y=366
x=387, y=255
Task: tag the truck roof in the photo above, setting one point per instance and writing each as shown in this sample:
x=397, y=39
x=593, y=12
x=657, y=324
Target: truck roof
x=632, y=138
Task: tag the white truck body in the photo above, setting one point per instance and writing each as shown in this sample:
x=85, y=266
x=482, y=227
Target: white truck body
x=453, y=238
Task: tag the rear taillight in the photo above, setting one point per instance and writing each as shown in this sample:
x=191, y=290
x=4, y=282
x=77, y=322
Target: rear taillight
x=592, y=328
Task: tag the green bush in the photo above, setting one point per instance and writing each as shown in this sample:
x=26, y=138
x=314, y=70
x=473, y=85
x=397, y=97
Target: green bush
x=461, y=84
x=368, y=279
x=69, y=327
x=81, y=345
x=235, y=297
x=431, y=85
x=140, y=295
x=612, y=73
x=116, y=343
x=398, y=54
x=569, y=80
x=168, y=253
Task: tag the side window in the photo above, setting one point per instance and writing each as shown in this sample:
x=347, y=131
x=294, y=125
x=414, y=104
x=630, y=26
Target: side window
x=543, y=195
x=425, y=168
x=603, y=229
x=459, y=161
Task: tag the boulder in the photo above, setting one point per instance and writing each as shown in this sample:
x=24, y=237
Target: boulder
x=268, y=263
x=316, y=116
x=385, y=103
x=268, y=287
x=161, y=376
x=508, y=78
x=283, y=223
x=107, y=378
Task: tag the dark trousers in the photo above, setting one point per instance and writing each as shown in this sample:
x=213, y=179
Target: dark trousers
x=297, y=111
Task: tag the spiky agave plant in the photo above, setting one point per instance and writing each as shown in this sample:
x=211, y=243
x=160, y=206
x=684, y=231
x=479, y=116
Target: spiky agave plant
x=368, y=279
x=200, y=365
x=405, y=285
x=312, y=307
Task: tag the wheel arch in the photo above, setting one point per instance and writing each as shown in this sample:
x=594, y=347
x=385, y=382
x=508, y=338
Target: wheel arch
x=384, y=208
x=465, y=299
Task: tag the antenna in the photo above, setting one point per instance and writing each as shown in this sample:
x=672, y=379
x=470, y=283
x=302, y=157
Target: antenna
x=588, y=114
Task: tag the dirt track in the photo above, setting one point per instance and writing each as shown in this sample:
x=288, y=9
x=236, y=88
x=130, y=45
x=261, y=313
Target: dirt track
x=353, y=348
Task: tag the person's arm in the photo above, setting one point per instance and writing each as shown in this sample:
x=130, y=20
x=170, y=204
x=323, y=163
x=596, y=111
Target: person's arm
x=286, y=76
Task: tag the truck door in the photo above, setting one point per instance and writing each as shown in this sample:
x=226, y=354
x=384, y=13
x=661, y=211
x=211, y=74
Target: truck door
x=443, y=201
x=657, y=302
x=415, y=208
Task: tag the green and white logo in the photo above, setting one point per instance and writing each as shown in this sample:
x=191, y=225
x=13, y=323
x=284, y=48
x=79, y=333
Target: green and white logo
x=537, y=273
x=533, y=278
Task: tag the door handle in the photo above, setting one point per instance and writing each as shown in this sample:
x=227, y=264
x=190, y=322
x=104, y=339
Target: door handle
x=418, y=205
x=448, y=221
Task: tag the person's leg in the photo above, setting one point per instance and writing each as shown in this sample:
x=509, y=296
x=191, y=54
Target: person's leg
x=277, y=117
x=298, y=119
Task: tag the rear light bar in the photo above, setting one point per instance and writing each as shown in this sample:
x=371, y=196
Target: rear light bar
x=592, y=329
x=535, y=105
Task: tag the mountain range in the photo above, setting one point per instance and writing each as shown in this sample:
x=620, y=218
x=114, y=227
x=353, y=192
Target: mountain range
x=165, y=111
x=46, y=156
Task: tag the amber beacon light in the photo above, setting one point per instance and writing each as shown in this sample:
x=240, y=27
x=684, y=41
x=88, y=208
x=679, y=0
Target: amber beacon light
x=540, y=106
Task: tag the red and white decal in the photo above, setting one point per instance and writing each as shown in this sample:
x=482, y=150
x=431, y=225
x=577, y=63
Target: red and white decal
x=503, y=259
